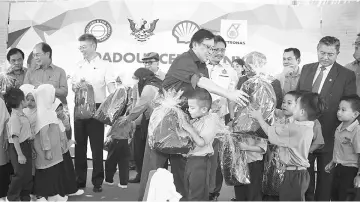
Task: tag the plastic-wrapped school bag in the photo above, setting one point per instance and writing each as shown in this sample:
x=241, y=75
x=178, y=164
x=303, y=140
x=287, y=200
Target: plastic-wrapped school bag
x=165, y=133
x=6, y=82
x=262, y=96
x=113, y=107
x=121, y=129
x=274, y=170
x=233, y=161
x=84, y=102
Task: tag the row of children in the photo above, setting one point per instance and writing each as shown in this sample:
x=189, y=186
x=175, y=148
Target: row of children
x=36, y=164
x=296, y=132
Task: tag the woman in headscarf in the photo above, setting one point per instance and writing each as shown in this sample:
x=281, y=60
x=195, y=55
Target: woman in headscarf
x=68, y=172
x=48, y=178
x=148, y=86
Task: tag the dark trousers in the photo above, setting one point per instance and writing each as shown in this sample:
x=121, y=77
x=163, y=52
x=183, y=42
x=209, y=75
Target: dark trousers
x=94, y=130
x=68, y=175
x=216, y=177
x=5, y=174
x=322, y=190
x=139, y=148
x=196, y=178
x=343, y=182
x=294, y=186
x=118, y=155
x=252, y=191
x=22, y=180
x=154, y=160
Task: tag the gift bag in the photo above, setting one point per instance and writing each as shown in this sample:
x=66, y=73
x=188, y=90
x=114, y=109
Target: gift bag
x=165, y=133
x=121, y=129
x=274, y=170
x=262, y=96
x=6, y=82
x=112, y=107
x=84, y=102
x=233, y=161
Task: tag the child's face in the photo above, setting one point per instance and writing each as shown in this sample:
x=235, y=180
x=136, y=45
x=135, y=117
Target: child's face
x=288, y=105
x=345, y=112
x=298, y=113
x=195, y=109
x=30, y=101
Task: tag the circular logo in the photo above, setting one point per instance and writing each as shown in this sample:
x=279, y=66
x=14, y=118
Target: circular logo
x=101, y=29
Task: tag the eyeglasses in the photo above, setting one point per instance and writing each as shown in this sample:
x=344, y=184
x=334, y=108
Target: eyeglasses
x=210, y=48
x=36, y=55
x=148, y=62
x=327, y=54
x=219, y=50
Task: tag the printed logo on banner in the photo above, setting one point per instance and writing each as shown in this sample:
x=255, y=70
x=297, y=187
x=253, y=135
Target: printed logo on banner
x=144, y=30
x=101, y=29
x=234, y=31
x=184, y=30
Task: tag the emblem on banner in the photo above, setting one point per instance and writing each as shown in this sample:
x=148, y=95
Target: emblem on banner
x=184, y=30
x=143, y=31
x=101, y=29
x=233, y=32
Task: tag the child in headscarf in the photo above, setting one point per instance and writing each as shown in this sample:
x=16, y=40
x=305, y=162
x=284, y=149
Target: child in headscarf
x=47, y=143
x=68, y=173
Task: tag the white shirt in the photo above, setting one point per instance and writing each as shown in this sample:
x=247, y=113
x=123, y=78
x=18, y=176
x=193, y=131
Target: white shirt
x=98, y=73
x=224, y=76
x=325, y=74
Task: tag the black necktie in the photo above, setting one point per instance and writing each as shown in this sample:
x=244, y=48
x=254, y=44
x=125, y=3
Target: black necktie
x=316, y=85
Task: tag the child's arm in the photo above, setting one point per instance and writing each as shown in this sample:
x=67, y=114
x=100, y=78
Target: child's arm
x=194, y=134
x=14, y=130
x=318, y=140
x=45, y=142
x=356, y=145
x=357, y=178
x=246, y=147
x=21, y=157
x=256, y=114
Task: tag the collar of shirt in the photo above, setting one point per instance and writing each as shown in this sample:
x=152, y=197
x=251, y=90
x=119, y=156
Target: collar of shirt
x=11, y=70
x=41, y=67
x=328, y=68
x=350, y=128
x=17, y=112
x=194, y=56
x=304, y=123
x=96, y=58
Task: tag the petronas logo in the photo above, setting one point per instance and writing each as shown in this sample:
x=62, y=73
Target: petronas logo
x=233, y=32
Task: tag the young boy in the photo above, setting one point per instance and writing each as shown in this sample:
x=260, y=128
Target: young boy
x=20, y=150
x=294, y=140
x=346, y=154
x=203, y=130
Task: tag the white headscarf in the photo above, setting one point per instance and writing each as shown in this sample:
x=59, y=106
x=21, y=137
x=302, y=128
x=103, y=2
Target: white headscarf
x=30, y=113
x=55, y=106
x=44, y=98
x=27, y=89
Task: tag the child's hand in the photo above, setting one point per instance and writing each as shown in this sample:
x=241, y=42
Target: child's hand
x=357, y=181
x=48, y=155
x=21, y=159
x=243, y=146
x=186, y=125
x=255, y=114
x=33, y=154
x=329, y=166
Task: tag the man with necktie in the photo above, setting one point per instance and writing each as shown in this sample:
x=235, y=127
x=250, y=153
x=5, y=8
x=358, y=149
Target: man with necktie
x=331, y=81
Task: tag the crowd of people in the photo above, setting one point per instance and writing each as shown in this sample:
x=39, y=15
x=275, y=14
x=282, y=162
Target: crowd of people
x=315, y=120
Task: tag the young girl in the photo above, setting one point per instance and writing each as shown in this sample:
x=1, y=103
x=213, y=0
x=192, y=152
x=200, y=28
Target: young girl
x=5, y=165
x=294, y=140
x=48, y=178
x=69, y=177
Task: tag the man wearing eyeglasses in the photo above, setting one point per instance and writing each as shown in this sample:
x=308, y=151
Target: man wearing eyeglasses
x=331, y=81
x=355, y=65
x=45, y=72
x=17, y=71
x=151, y=61
x=225, y=76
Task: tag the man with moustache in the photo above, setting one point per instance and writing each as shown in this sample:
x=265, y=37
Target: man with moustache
x=355, y=65
x=291, y=73
x=331, y=81
x=225, y=76
x=98, y=73
x=45, y=72
x=151, y=61
x=16, y=70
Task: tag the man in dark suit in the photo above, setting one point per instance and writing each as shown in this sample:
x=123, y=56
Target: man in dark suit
x=331, y=81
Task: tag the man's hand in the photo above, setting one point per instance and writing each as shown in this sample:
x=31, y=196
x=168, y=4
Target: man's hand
x=21, y=159
x=329, y=166
x=239, y=97
x=357, y=181
x=243, y=146
x=48, y=155
x=6, y=145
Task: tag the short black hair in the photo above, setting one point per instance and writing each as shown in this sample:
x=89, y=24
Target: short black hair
x=14, y=51
x=358, y=34
x=295, y=51
x=296, y=93
x=239, y=61
x=88, y=37
x=13, y=97
x=218, y=39
x=200, y=36
x=330, y=41
x=203, y=96
x=354, y=101
x=312, y=104
x=46, y=48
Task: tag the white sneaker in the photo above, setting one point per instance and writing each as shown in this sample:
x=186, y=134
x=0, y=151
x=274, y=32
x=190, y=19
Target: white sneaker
x=77, y=193
x=109, y=183
x=61, y=199
x=3, y=199
x=42, y=199
x=122, y=186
